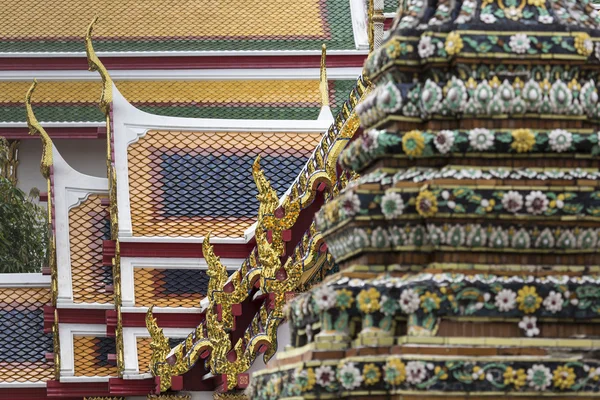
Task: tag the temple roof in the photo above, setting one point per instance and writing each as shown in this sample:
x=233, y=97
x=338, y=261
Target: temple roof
x=157, y=25
x=23, y=343
x=190, y=183
x=76, y=101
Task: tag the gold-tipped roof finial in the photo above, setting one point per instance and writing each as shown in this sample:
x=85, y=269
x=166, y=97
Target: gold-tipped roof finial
x=323, y=87
x=94, y=64
x=35, y=128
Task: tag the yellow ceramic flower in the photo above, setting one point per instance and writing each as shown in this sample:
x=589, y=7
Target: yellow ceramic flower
x=536, y=3
x=515, y=377
x=413, y=143
x=518, y=83
x=495, y=82
x=430, y=301
x=574, y=85
x=344, y=299
x=545, y=85
x=564, y=377
x=528, y=299
x=426, y=204
x=393, y=49
x=371, y=374
x=583, y=44
x=311, y=379
x=471, y=83
x=523, y=140
x=395, y=371
x=454, y=43
x=368, y=300
x=441, y=372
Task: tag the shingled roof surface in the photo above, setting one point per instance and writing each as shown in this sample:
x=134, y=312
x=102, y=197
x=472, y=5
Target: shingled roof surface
x=90, y=356
x=30, y=26
x=23, y=343
x=190, y=183
x=170, y=287
x=77, y=101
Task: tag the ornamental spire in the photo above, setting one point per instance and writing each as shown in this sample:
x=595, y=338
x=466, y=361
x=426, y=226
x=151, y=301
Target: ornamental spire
x=323, y=88
x=36, y=128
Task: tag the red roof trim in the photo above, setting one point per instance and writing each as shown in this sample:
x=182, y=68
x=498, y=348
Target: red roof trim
x=55, y=133
x=136, y=249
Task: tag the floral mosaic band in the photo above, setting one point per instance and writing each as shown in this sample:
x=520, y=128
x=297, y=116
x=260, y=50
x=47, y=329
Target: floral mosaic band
x=432, y=46
x=470, y=97
x=412, y=374
x=479, y=142
x=424, y=298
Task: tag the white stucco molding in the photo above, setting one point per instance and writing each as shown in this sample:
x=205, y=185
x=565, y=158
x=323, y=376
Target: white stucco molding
x=70, y=189
x=341, y=73
x=65, y=334
x=127, y=277
x=24, y=280
x=22, y=385
x=130, y=124
x=130, y=336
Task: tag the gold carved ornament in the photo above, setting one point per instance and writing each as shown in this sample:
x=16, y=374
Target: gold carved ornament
x=35, y=128
x=106, y=98
x=56, y=346
x=264, y=264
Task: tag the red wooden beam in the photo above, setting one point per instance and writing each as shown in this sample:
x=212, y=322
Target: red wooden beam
x=131, y=387
x=81, y=316
x=136, y=249
x=28, y=394
x=68, y=390
x=183, y=62
x=163, y=320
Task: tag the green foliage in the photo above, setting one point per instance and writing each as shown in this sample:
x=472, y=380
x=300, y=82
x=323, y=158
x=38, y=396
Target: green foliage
x=24, y=232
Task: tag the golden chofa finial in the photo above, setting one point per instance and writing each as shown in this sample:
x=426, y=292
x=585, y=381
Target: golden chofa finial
x=94, y=64
x=323, y=87
x=35, y=128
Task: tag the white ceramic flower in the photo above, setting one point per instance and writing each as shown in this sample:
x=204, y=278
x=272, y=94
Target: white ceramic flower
x=487, y=18
x=349, y=376
x=597, y=52
x=325, y=297
x=444, y=141
x=560, y=140
x=416, y=372
x=545, y=19
x=325, y=375
x=392, y=205
x=409, y=301
x=554, y=302
x=426, y=47
x=506, y=300
x=539, y=377
x=481, y=139
x=529, y=325
x=512, y=201
x=536, y=202
x=519, y=43
x=350, y=204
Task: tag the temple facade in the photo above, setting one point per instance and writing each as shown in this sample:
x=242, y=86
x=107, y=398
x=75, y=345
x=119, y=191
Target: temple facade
x=332, y=199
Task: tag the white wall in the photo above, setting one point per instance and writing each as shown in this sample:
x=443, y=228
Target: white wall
x=87, y=156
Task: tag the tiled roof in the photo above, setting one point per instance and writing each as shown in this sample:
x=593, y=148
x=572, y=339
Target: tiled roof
x=90, y=356
x=169, y=287
x=190, y=183
x=88, y=227
x=390, y=6
x=144, y=352
x=176, y=25
x=23, y=343
x=77, y=101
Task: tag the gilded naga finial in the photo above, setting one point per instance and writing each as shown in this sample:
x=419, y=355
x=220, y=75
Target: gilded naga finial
x=216, y=271
x=160, y=350
x=94, y=64
x=36, y=128
x=323, y=88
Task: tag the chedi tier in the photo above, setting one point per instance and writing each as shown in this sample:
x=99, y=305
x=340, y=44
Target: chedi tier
x=468, y=246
